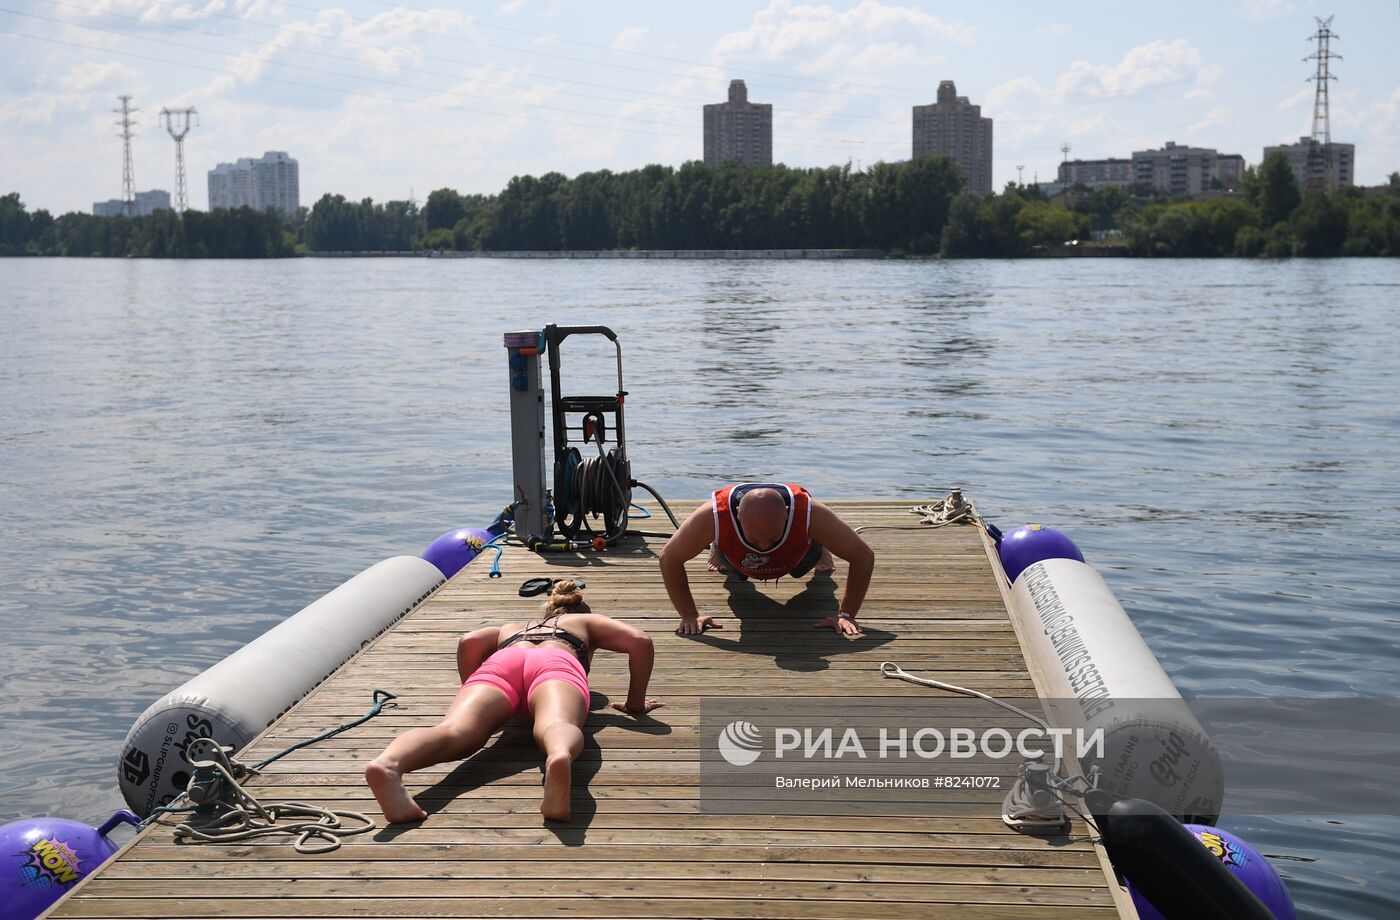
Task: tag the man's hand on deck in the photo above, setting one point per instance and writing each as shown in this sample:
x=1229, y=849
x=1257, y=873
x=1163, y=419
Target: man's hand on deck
x=843, y=624
x=694, y=626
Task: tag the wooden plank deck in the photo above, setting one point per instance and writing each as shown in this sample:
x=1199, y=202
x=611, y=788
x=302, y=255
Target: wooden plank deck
x=639, y=845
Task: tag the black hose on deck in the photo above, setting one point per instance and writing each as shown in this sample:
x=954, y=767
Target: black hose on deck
x=657, y=496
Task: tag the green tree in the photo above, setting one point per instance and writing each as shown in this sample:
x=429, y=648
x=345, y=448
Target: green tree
x=1102, y=206
x=443, y=209
x=1225, y=218
x=963, y=234
x=1276, y=190
x=925, y=187
x=1320, y=226
x=14, y=226
x=1040, y=223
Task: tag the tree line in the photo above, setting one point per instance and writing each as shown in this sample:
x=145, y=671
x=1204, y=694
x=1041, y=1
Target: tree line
x=915, y=207
x=1270, y=217
x=240, y=233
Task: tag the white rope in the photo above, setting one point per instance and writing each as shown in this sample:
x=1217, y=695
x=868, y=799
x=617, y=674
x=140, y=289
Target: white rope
x=1076, y=785
x=943, y=512
x=891, y=670
x=245, y=818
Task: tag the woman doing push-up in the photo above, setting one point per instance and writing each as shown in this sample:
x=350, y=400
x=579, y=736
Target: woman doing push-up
x=537, y=670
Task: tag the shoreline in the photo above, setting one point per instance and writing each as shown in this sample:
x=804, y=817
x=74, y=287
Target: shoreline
x=610, y=254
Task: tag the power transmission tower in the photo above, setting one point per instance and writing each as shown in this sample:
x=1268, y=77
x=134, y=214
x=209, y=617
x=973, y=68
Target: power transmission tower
x=183, y=116
x=1020, y=175
x=1065, y=148
x=128, y=179
x=1321, y=147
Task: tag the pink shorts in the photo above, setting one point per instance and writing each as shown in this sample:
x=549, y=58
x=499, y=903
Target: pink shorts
x=517, y=670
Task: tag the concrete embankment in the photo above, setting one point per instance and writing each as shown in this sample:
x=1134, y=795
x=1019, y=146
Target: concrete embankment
x=620, y=254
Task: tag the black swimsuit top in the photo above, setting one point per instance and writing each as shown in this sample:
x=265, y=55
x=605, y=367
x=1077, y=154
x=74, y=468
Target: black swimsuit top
x=530, y=634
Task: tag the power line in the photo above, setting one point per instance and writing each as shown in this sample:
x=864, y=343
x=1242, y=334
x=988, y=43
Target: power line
x=399, y=83
x=910, y=93
x=383, y=97
x=888, y=119
x=279, y=30
x=885, y=90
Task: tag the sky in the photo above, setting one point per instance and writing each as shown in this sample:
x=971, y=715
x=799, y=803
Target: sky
x=386, y=100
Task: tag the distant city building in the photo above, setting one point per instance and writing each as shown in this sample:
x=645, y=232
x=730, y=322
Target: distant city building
x=271, y=181
x=1308, y=158
x=739, y=131
x=1187, y=170
x=1096, y=173
x=145, y=203
x=954, y=128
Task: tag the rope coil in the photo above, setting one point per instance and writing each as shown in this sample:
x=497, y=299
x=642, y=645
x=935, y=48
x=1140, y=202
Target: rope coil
x=943, y=512
x=217, y=784
x=246, y=818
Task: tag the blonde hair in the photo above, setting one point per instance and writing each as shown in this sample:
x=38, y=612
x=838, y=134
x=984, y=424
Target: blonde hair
x=565, y=597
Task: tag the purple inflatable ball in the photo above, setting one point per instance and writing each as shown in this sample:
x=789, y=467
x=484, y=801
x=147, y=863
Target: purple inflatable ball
x=45, y=857
x=1025, y=546
x=1248, y=864
x=456, y=548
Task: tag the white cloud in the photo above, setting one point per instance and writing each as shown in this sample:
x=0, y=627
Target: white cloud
x=820, y=40
x=1266, y=9
x=512, y=6
x=1143, y=68
x=1300, y=97
x=1157, y=63
x=175, y=13
x=627, y=39
x=1216, y=116
x=1105, y=109
x=387, y=42
x=90, y=75
x=28, y=111
x=1374, y=128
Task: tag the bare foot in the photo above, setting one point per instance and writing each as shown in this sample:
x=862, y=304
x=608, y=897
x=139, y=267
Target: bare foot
x=558, y=778
x=386, y=784
x=716, y=564
x=826, y=563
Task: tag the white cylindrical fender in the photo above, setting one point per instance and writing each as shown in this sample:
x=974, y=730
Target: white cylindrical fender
x=234, y=700
x=1097, y=673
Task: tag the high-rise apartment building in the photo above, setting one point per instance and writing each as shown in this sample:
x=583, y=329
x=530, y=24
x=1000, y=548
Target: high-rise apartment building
x=143, y=204
x=1096, y=173
x=1310, y=162
x=954, y=128
x=1187, y=170
x=739, y=131
x=270, y=181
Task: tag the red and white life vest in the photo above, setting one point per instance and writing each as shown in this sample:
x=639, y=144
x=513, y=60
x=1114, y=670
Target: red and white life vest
x=776, y=561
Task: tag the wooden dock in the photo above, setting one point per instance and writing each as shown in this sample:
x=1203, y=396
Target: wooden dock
x=639, y=845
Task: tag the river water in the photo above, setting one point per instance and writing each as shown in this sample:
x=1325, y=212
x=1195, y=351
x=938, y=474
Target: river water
x=191, y=451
